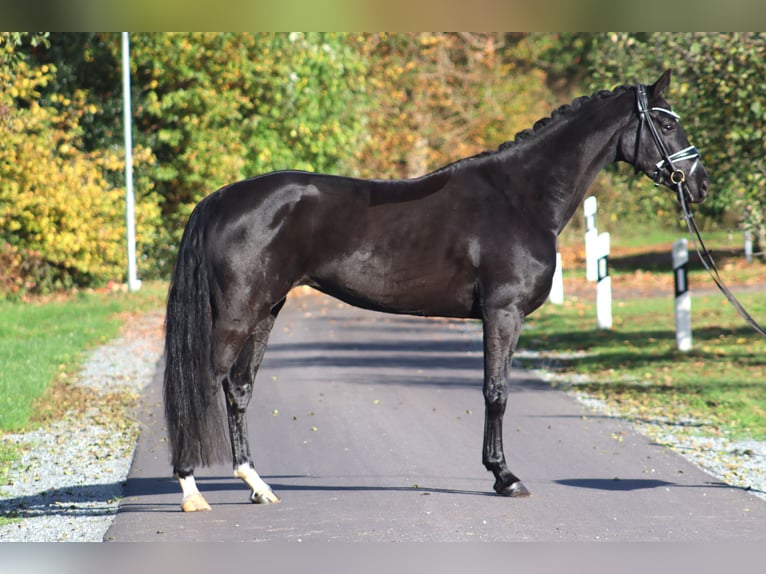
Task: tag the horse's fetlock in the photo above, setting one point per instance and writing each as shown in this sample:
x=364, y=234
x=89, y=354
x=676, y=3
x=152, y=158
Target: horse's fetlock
x=184, y=472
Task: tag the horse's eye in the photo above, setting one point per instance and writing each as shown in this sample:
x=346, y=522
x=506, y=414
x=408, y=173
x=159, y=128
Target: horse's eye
x=668, y=126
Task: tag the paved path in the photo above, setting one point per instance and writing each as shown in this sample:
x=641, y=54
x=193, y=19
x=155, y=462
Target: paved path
x=369, y=428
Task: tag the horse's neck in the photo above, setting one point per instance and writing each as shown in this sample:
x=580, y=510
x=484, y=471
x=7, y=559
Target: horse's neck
x=562, y=162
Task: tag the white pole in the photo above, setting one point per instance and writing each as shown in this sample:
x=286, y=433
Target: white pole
x=591, y=234
x=604, y=285
x=748, y=246
x=683, y=297
x=134, y=284
x=557, y=287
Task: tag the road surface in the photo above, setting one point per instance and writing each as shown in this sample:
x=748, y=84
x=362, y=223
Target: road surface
x=369, y=427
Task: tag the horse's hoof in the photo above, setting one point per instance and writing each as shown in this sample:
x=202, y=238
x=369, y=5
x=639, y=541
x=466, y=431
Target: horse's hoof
x=515, y=490
x=265, y=497
x=194, y=503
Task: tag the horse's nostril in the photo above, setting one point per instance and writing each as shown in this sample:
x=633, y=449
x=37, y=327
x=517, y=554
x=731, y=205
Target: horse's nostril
x=703, y=189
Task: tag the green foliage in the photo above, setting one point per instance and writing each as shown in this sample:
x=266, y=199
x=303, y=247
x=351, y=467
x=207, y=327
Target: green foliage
x=210, y=109
x=61, y=223
x=10, y=42
x=438, y=97
x=88, y=63
x=717, y=89
x=216, y=108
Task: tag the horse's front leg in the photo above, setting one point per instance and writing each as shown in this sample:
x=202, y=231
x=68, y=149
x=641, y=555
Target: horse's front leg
x=501, y=334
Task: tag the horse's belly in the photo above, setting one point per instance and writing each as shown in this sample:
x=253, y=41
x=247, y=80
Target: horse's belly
x=427, y=291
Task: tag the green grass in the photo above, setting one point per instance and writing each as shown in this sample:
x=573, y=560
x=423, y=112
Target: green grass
x=643, y=236
x=637, y=368
x=40, y=342
x=626, y=236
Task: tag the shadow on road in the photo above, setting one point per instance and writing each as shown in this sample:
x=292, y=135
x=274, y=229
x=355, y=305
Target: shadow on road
x=79, y=500
x=631, y=484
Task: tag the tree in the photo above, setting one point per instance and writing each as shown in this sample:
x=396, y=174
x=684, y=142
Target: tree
x=61, y=222
x=438, y=97
x=216, y=108
x=717, y=88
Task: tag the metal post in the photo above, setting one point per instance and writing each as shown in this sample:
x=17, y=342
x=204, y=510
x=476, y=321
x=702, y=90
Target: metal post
x=604, y=285
x=134, y=284
x=557, y=287
x=683, y=297
x=591, y=234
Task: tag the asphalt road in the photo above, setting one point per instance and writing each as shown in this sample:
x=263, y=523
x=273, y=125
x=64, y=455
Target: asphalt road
x=369, y=428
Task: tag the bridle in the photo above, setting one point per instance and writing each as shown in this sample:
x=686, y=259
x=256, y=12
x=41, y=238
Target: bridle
x=676, y=175
x=678, y=178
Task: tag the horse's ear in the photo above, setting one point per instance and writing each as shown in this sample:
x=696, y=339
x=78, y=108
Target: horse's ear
x=662, y=84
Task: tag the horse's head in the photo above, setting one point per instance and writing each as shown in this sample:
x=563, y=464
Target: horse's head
x=660, y=147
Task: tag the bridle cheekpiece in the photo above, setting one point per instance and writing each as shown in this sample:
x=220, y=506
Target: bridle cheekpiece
x=676, y=175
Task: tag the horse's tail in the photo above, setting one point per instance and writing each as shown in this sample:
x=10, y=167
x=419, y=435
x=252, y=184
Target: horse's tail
x=194, y=411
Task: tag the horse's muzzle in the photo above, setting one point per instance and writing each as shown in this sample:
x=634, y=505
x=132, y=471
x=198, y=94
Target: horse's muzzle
x=701, y=190
x=695, y=185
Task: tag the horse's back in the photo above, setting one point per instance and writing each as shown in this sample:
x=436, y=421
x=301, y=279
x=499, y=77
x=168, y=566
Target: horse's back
x=289, y=205
x=388, y=245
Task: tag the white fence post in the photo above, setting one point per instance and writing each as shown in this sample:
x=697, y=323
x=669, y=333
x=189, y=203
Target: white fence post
x=556, y=295
x=590, y=207
x=683, y=297
x=604, y=285
x=748, y=246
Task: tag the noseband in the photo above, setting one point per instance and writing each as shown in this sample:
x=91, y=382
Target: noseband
x=677, y=176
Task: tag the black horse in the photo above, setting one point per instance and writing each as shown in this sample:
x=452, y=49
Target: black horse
x=475, y=239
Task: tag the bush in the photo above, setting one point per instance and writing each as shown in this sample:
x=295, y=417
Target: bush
x=62, y=223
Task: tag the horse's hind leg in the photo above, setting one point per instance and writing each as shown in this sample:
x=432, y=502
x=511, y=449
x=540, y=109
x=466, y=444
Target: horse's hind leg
x=238, y=390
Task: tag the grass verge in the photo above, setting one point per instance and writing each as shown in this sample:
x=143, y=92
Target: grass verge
x=42, y=348
x=637, y=368
x=44, y=343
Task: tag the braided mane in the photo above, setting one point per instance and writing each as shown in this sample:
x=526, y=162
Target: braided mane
x=560, y=112
x=540, y=125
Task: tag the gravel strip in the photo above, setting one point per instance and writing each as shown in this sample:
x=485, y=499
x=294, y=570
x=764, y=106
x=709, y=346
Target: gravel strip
x=68, y=481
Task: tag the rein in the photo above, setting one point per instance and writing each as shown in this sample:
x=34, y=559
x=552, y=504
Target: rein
x=709, y=264
x=678, y=178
